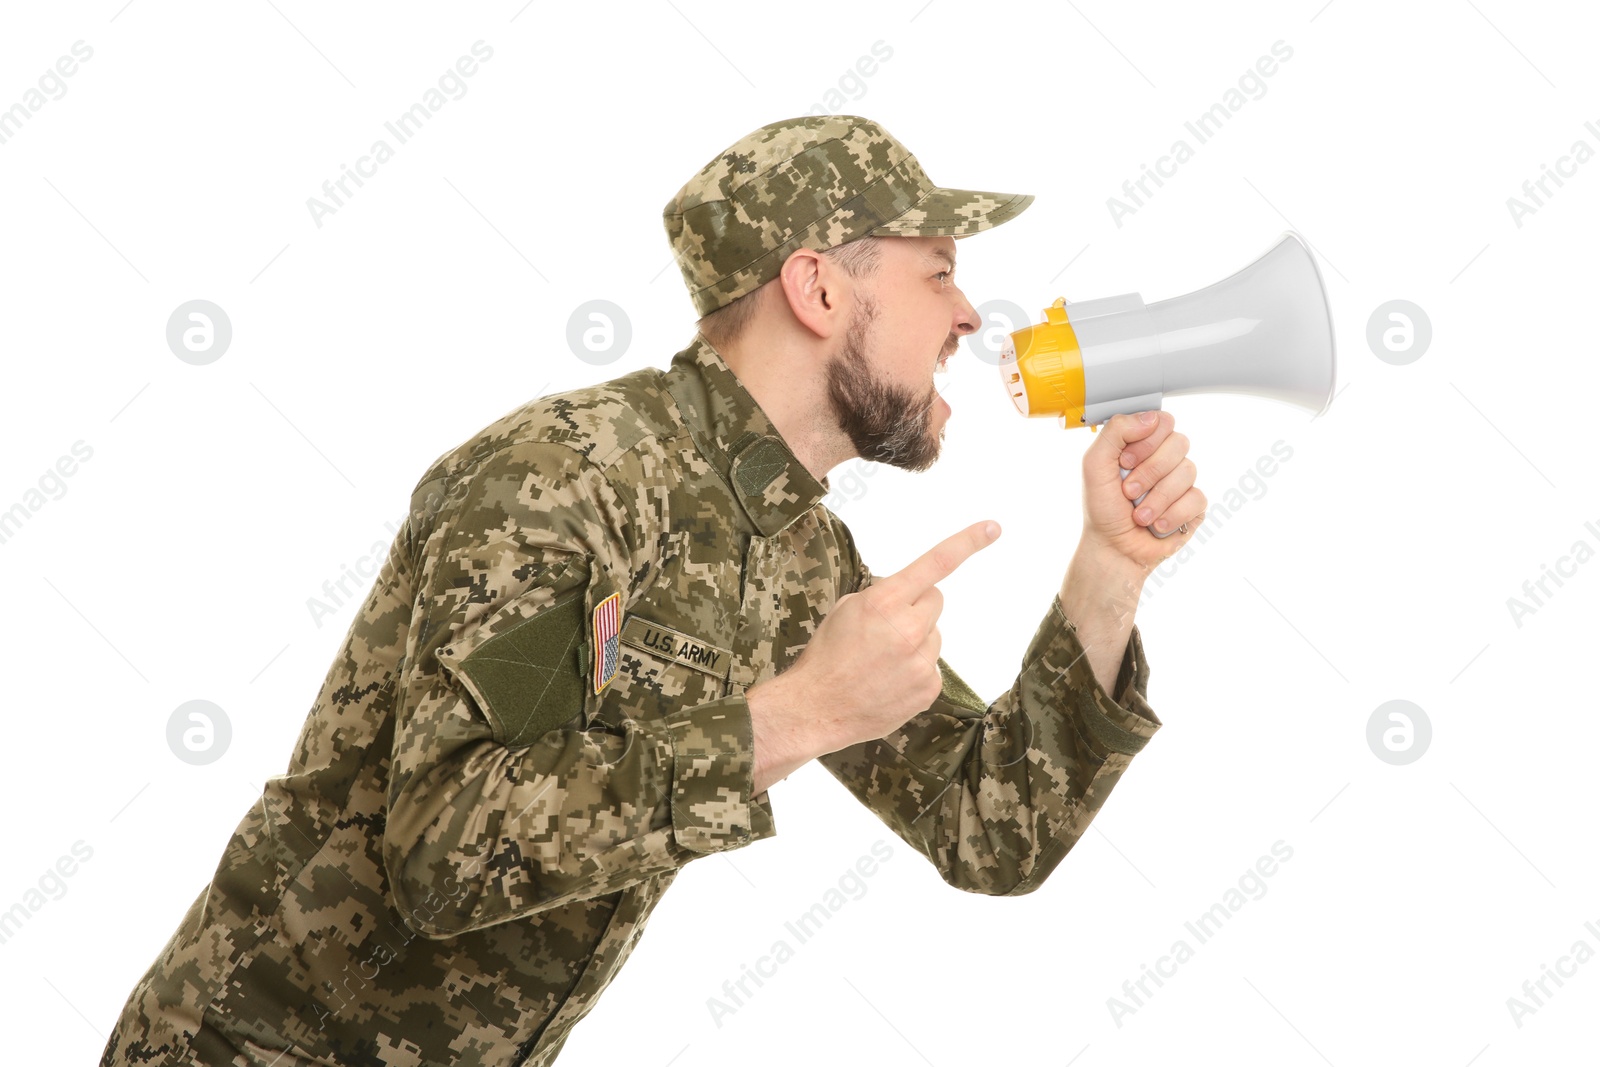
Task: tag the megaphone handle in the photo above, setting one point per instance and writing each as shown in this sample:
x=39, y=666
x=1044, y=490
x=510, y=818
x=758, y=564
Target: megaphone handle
x=1139, y=501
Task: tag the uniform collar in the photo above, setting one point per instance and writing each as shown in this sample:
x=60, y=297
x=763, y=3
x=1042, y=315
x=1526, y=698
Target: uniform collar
x=732, y=431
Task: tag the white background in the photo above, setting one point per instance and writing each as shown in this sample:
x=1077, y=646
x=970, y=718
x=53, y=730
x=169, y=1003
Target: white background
x=1373, y=565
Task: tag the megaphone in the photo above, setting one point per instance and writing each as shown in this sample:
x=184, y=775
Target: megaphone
x=1265, y=331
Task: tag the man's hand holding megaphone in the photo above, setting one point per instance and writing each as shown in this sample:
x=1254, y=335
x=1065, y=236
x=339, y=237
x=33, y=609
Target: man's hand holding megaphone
x=1156, y=458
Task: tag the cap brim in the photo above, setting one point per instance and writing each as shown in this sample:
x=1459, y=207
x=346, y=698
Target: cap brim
x=955, y=213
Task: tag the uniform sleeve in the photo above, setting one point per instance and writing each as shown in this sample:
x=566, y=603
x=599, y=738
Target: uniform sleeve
x=995, y=795
x=509, y=793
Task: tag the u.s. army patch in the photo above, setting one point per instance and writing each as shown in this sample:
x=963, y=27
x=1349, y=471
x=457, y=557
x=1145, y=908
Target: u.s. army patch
x=677, y=646
x=607, y=624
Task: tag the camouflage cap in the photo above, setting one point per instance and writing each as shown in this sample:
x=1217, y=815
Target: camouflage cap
x=816, y=182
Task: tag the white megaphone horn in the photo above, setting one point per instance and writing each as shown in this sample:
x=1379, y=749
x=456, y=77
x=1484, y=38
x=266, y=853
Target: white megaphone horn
x=1265, y=331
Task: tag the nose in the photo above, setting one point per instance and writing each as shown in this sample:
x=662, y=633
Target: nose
x=966, y=316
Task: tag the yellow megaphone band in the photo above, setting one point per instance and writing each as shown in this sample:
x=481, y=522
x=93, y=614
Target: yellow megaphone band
x=1043, y=368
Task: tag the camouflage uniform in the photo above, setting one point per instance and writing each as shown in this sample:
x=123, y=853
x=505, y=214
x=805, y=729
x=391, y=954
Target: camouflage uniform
x=491, y=792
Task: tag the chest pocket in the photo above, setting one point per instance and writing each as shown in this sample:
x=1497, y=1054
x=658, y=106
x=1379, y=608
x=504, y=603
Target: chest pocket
x=674, y=648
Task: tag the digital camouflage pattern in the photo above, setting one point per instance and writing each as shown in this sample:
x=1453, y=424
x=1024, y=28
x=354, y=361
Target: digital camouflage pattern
x=455, y=863
x=812, y=182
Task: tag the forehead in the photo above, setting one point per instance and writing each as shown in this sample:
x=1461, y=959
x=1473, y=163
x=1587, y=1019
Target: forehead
x=925, y=250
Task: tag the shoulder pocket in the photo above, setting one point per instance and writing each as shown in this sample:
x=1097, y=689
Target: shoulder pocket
x=525, y=665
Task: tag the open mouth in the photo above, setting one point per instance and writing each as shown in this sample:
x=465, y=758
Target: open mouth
x=937, y=399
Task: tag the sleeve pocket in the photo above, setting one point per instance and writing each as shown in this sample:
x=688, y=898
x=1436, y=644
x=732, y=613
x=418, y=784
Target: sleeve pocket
x=524, y=666
x=958, y=697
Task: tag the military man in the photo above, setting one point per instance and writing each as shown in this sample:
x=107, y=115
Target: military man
x=617, y=615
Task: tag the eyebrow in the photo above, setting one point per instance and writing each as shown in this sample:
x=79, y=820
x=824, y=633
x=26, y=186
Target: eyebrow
x=945, y=255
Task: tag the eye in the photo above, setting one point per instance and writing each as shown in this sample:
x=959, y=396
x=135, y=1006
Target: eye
x=943, y=276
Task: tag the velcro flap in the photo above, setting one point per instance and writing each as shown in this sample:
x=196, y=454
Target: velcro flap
x=527, y=673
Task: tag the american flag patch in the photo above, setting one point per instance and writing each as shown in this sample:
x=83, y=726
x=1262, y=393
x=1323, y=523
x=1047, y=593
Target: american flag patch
x=607, y=624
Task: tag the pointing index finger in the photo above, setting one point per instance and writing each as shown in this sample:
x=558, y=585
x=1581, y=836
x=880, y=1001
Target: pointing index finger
x=941, y=561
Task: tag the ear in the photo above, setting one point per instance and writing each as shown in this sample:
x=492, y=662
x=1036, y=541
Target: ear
x=813, y=287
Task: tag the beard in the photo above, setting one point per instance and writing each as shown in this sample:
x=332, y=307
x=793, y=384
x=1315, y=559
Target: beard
x=885, y=422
